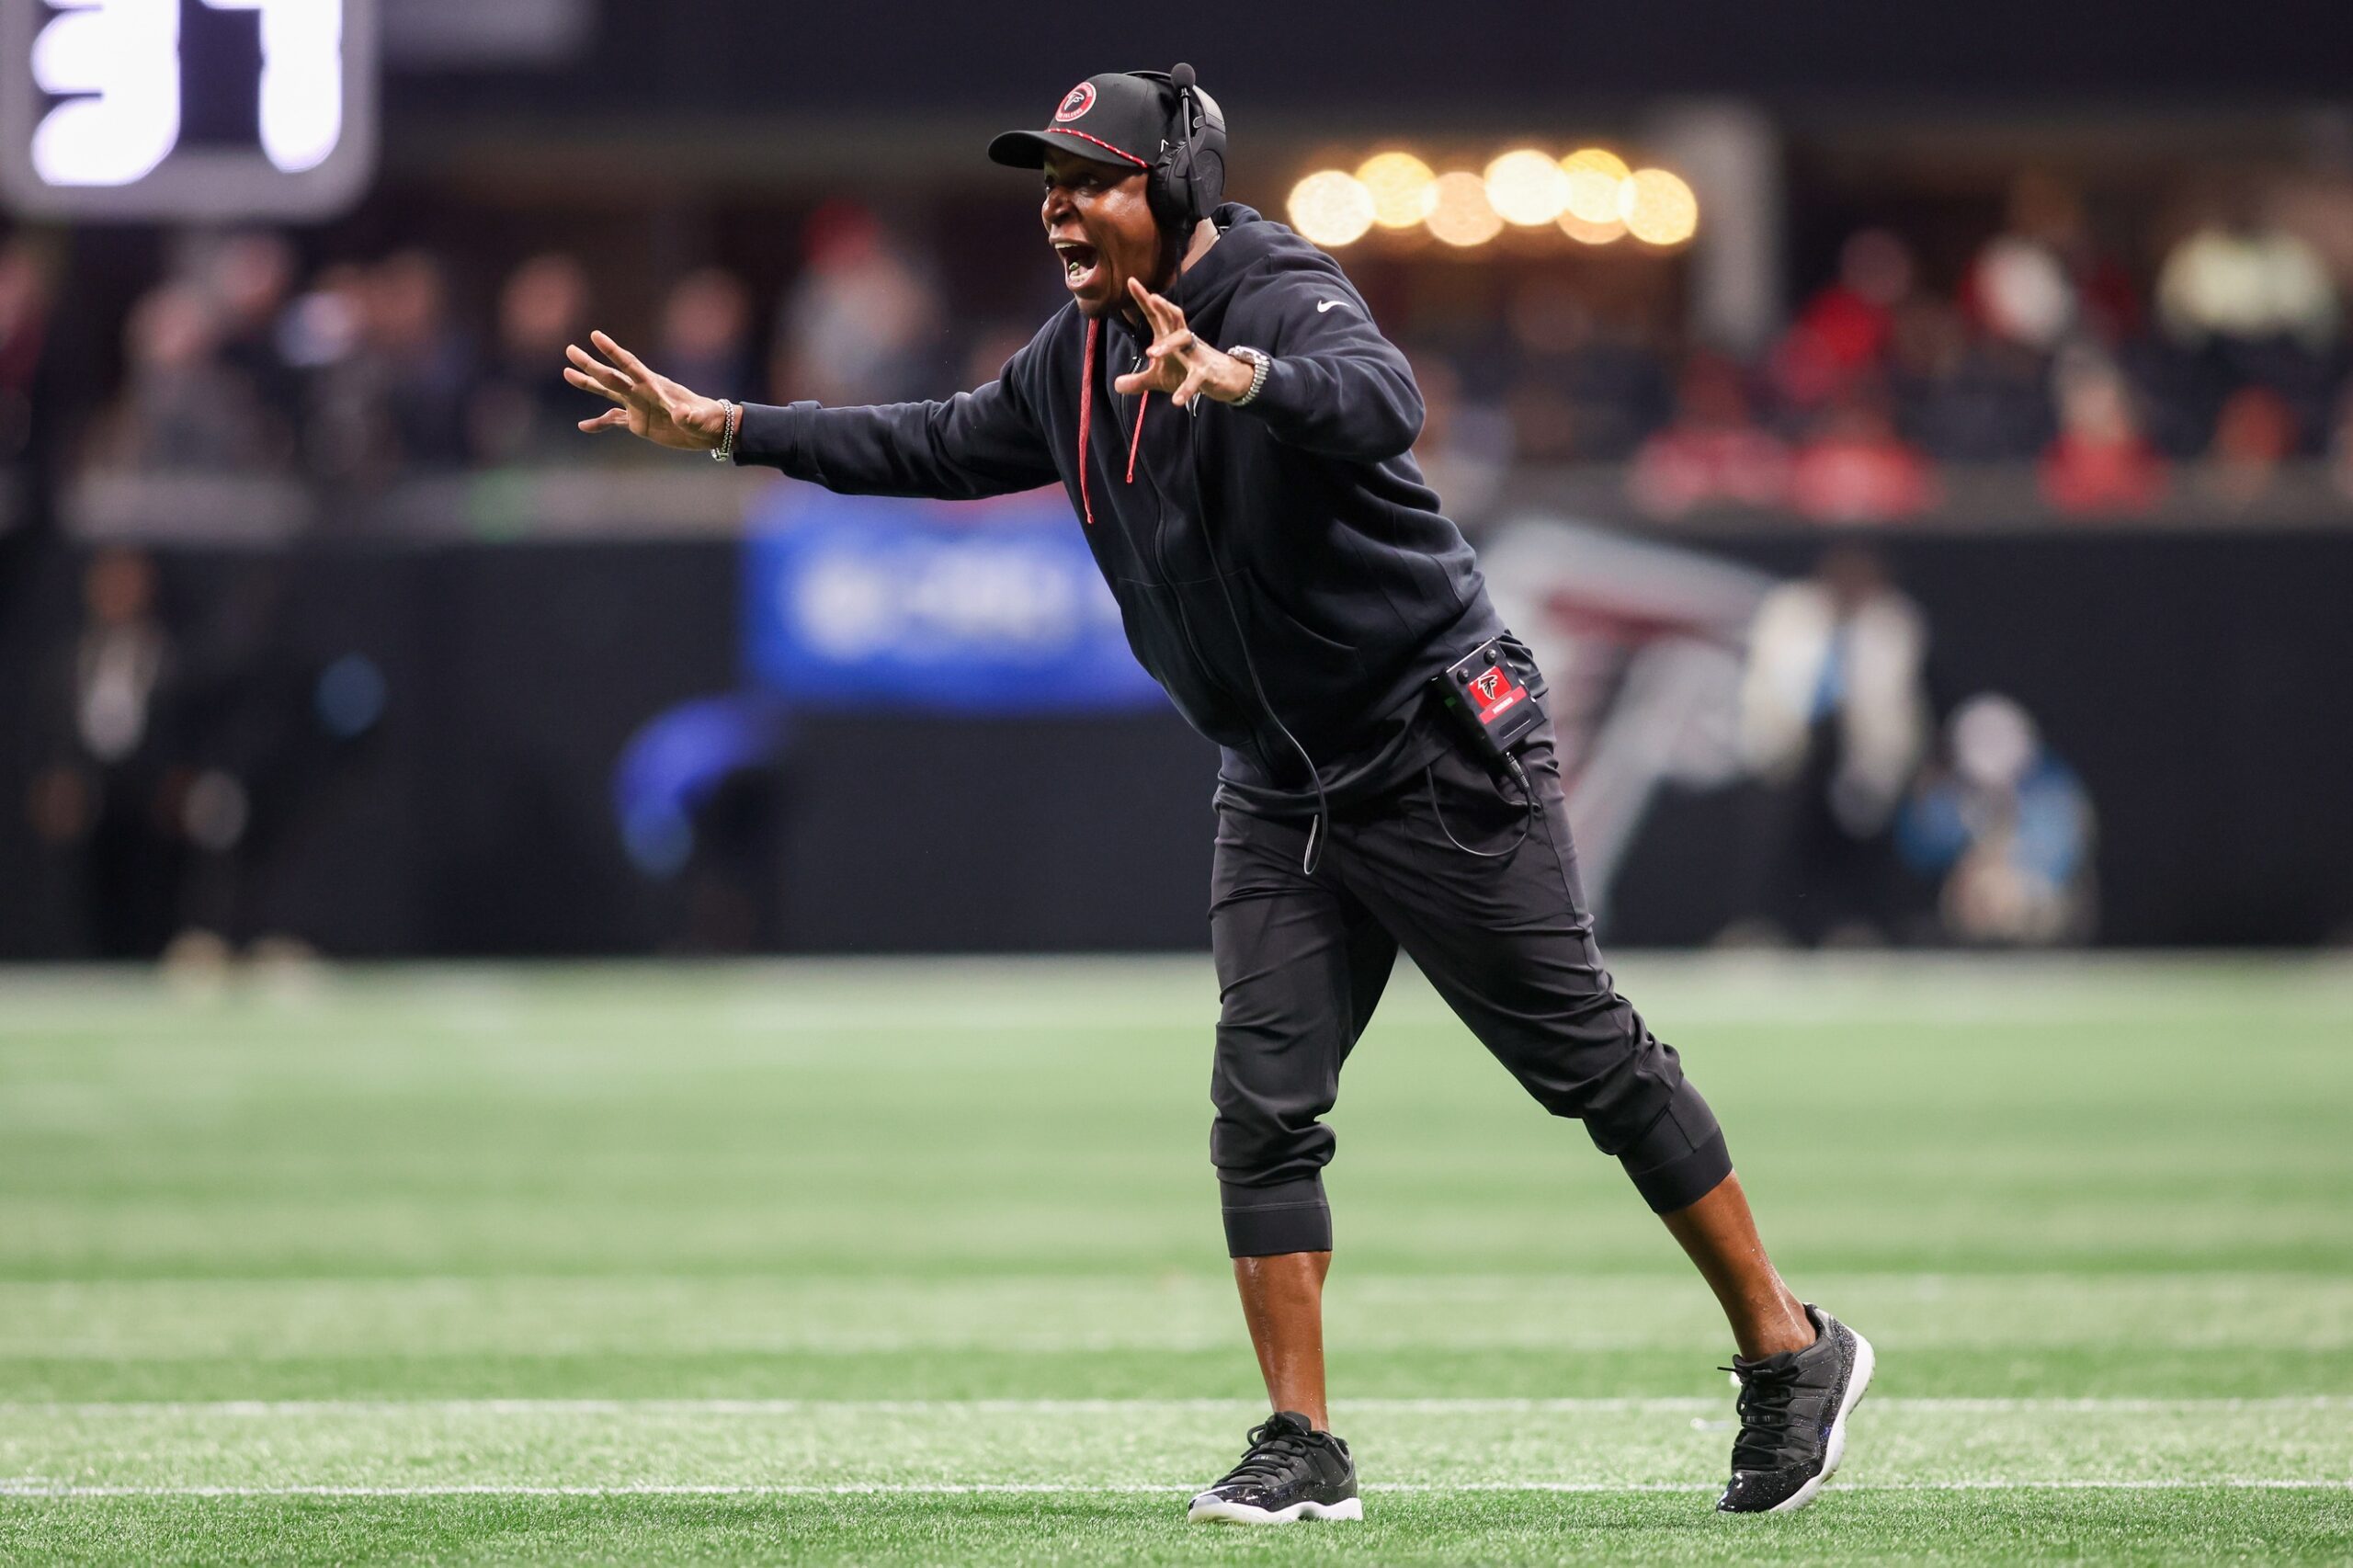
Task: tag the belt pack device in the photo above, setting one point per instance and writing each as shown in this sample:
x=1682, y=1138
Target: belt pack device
x=1488, y=691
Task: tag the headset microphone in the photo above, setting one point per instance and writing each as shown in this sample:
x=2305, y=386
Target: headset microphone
x=1181, y=77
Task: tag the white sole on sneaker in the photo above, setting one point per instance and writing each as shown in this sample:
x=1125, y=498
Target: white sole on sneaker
x=1209, y=1508
x=1856, y=1382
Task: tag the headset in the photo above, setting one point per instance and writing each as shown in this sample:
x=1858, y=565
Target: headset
x=1189, y=178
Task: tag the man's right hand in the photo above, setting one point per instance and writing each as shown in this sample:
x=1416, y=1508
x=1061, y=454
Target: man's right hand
x=653, y=406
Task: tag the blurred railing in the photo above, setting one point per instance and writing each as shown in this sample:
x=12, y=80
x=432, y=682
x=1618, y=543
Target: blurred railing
x=698, y=500
x=490, y=505
x=1990, y=497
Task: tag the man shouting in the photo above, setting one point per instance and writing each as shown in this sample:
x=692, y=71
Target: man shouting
x=1235, y=436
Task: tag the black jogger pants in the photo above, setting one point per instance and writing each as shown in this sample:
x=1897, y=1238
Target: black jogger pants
x=1302, y=961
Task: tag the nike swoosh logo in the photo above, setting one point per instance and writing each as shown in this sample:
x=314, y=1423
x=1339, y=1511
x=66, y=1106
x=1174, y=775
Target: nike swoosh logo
x=1323, y=305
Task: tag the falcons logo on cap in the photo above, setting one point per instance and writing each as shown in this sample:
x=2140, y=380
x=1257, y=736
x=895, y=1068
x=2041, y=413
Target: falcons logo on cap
x=1075, y=102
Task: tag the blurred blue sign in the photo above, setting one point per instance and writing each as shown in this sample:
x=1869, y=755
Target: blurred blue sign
x=874, y=603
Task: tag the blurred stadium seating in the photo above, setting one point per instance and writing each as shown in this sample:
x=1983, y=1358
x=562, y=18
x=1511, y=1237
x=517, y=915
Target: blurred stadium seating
x=2063, y=349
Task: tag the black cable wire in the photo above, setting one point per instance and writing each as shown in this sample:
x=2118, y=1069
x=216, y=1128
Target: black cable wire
x=1526, y=792
x=1319, y=828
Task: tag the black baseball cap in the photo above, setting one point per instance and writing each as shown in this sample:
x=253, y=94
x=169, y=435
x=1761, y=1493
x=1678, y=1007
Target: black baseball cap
x=1120, y=117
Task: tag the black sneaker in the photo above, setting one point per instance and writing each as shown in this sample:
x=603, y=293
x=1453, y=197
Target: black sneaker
x=1292, y=1471
x=1794, y=1410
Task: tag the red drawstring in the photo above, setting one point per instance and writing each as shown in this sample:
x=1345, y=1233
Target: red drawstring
x=1085, y=413
x=1086, y=420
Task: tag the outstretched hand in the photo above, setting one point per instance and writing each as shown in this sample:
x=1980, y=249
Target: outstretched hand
x=652, y=406
x=1177, y=362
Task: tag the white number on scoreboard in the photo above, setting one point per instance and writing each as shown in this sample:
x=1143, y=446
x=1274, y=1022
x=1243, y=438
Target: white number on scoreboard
x=106, y=83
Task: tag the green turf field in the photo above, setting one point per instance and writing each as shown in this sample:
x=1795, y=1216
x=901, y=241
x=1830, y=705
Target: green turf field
x=906, y=1262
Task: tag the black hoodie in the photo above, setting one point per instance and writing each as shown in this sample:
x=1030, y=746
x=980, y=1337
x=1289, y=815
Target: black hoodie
x=1350, y=587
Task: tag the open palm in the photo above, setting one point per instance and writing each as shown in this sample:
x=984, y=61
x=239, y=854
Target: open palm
x=652, y=406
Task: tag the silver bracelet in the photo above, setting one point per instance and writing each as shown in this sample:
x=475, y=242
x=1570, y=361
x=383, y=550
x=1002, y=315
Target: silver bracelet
x=726, y=448
x=1261, y=362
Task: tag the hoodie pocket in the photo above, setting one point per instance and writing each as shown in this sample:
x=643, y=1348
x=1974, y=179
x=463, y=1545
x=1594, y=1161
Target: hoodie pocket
x=1174, y=652
x=1319, y=671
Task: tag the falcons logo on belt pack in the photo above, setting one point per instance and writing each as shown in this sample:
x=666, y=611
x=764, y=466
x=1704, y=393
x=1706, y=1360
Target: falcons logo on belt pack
x=1494, y=692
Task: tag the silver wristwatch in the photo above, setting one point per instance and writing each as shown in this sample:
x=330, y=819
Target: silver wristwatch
x=1261, y=362
x=726, y=448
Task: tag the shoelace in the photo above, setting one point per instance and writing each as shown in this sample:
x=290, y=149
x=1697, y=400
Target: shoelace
x=1272, y=1454
x=1764, y=1415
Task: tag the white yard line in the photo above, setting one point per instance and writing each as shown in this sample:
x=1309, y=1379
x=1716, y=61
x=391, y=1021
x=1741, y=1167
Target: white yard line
x=1666, y=1405
x=23, y=1490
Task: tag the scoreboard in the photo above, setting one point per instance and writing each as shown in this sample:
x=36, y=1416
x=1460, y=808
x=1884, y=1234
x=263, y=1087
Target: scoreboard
x=186, y=109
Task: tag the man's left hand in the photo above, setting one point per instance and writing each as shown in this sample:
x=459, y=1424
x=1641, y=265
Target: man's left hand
x=1178, y=363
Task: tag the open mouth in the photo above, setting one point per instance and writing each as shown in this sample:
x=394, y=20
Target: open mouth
x=1082, y=263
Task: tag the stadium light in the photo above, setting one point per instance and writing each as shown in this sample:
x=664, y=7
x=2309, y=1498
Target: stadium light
x=1459, y=212
x=1526, y=188
x=1593, y=175
x=1586, y=234
x=1591, y=195
x=1657, y=208
x=1331, y=206
x=1402, y=188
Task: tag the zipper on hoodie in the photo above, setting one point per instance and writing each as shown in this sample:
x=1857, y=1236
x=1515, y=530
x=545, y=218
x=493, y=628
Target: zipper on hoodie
x=1235, y=702
x=1160, y=542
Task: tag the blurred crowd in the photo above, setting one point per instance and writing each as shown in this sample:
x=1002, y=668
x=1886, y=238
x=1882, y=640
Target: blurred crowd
x=358, y=373
x=364, y=371
x=2199, y=368
x=2202, y=373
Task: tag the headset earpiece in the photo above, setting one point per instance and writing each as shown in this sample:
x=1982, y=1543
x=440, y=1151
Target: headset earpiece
x=1189, y=178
